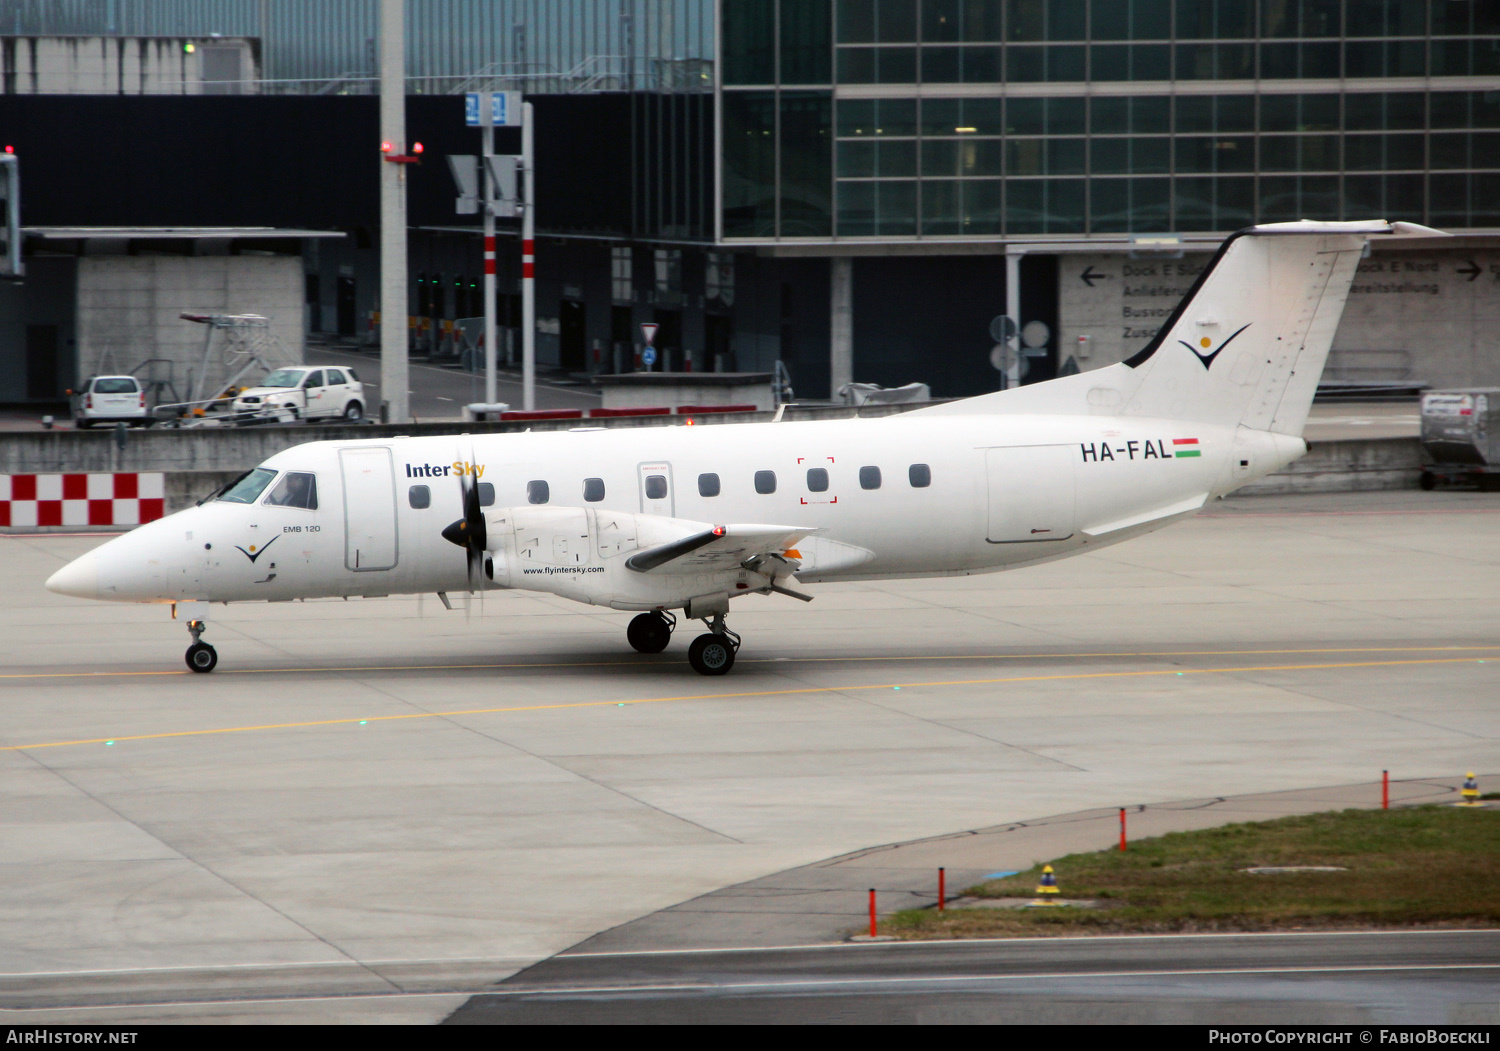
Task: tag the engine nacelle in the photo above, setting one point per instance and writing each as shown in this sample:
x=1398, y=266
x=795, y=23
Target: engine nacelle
x=580, y=553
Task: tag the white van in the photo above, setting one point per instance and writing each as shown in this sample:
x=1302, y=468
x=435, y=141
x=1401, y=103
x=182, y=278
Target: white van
x=109, y=399
x=303, y=392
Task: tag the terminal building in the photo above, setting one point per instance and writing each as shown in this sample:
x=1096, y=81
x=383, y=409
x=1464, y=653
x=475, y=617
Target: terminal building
x=853, y=188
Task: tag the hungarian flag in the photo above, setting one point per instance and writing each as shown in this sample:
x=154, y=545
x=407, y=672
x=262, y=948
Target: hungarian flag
x=1185, y=447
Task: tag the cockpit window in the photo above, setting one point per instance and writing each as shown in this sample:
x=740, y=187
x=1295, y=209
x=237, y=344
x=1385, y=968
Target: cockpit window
x=295, y=489
x=248, y=488
x=283, y=378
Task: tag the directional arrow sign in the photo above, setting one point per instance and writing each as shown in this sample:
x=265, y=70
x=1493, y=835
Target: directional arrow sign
x=1472, y=270
x=1089, y=277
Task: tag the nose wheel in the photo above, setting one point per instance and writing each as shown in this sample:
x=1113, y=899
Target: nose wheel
x=200, y=656
x=713, y=653
x=650, y=632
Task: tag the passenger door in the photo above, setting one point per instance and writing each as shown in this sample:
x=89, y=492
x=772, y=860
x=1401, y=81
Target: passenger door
x=657, y=495
x=370, y=541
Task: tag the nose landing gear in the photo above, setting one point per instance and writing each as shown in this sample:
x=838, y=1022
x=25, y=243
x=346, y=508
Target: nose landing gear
x=713, y=653
x=200, y=656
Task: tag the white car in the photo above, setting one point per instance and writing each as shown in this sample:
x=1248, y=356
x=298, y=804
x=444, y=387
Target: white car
x=304, y=392
x=109, y=399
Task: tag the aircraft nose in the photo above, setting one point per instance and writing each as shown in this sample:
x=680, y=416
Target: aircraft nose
x=79, y=578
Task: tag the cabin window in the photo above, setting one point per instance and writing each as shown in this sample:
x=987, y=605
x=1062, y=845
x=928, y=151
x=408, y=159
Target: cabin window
x=593, y=490
x=869, y=477
x=920, y=475
x=249, y=487
x=420, y=497
x=765, y=482
x=817, y=480
x=487, y=494
x=708, y=485
x=656, y=487
x=537, y=492
x=296, y=489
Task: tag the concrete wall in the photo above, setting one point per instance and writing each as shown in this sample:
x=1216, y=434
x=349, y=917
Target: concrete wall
x=1421, y=315
x=112, y=65
x=129, y=307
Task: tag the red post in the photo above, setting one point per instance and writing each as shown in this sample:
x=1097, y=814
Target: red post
x=942, y=889
x=872, y=912
x=1385, y=790
x=1122, y=828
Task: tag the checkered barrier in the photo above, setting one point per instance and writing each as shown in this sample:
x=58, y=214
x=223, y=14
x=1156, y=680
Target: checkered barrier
x=124, y=498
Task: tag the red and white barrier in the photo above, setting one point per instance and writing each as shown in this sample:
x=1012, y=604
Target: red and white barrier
x=123, y=498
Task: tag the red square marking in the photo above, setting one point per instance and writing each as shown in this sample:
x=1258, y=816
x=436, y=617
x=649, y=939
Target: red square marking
x=75, y=487
x=101, y=512
x=49, y=512
x=4, y=512
x=23, y=487
x=127, y=486
x=152, y=508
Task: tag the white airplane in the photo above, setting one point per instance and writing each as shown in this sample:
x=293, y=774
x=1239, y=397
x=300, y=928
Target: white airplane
x=687, y=518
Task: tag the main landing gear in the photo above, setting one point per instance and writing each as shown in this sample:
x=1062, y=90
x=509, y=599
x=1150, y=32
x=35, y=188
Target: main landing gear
x=713, y=653
x=650, y=632
x=200, y=656
x=710, y=654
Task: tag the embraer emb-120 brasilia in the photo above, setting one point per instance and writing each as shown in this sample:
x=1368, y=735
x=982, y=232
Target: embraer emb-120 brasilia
x=687, y=518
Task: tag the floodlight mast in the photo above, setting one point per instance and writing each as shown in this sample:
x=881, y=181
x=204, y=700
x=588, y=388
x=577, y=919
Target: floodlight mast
x=490, y=190
x=394, y=378
x=528, y=259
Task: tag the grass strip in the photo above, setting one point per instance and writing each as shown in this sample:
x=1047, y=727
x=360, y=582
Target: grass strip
x=1418, y=866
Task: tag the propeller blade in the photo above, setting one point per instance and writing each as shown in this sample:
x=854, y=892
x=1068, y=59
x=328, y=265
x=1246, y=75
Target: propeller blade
x=470, y=531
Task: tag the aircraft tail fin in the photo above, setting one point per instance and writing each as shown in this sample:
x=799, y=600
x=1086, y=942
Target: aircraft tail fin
x=1246, y=345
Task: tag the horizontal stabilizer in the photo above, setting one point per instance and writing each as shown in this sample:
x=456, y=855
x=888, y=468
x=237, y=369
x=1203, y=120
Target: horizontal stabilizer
x=719, y=548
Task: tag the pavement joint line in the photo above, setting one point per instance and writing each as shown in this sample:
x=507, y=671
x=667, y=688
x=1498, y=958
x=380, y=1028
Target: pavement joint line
x=730, y=696
x=137, y=1005
x=815, y=983
x=1350, y=514
x=1048, y=940
x=748, y=660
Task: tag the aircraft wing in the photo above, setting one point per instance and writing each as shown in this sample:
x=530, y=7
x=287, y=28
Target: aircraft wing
x=720, y=548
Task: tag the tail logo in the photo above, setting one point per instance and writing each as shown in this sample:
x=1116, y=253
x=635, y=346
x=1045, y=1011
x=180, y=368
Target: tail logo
x=1206, y=351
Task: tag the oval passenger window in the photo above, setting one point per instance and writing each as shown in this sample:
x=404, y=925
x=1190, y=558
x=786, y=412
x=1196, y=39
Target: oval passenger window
x=593, y=490
x=817, y=480
x=920, y=475
x=420, y=497
x=656, y=487
x=765, y=482
x=869, y=477
x=708, y=485
x=537, y=492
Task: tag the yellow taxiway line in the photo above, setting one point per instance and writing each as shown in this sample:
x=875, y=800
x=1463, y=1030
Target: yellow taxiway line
x=737, y=696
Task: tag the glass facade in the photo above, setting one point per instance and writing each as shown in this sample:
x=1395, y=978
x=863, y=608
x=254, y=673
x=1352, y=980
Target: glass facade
x=915, y=118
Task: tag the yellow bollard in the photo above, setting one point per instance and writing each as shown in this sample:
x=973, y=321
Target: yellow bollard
x=1470, y=790
x=1049, y=882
